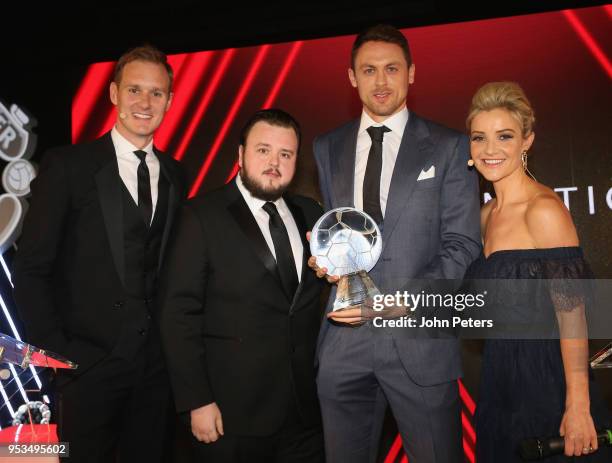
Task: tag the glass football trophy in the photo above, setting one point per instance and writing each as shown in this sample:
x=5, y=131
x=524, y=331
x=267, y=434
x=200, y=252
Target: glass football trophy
x=348, y=243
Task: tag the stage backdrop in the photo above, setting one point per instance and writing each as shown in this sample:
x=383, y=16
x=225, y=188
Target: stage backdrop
x=562, y=60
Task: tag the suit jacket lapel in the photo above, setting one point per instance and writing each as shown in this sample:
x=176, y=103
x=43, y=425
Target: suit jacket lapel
x=109, y=193
x=415, y=148
x=241, y=213
x=342, y=163
x=174, y=198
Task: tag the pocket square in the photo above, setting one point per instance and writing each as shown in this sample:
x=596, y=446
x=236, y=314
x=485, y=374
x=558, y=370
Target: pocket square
x=425, y=174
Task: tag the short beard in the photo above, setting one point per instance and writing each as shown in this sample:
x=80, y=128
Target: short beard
x=256, y=190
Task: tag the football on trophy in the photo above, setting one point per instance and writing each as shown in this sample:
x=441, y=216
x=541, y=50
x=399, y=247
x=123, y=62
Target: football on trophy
x=346, y=240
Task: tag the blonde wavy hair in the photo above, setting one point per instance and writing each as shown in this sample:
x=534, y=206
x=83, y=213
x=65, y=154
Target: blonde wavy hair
x=506, y=95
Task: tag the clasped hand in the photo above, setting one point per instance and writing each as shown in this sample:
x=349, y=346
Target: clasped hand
x=206, y=423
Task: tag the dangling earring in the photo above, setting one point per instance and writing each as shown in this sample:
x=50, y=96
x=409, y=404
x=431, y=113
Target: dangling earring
x=524, y=162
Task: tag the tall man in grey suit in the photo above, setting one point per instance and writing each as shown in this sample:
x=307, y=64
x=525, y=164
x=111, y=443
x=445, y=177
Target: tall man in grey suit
x=411, y=176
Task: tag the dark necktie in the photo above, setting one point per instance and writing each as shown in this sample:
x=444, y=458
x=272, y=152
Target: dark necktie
x=283, y=251
x=371, y=180
x=144, y=188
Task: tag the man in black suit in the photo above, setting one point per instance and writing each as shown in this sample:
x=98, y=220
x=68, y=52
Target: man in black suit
x=87, y=265
x=240, y=309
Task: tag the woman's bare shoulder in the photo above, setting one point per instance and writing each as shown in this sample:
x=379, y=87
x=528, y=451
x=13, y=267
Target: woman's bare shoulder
x=548, y=221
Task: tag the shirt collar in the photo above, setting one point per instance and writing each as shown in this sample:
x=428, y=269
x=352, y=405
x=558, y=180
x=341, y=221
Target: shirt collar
x=125, y=148
x=396, y=122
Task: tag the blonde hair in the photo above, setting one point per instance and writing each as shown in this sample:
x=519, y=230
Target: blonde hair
x=506, y=95
x=146, y=53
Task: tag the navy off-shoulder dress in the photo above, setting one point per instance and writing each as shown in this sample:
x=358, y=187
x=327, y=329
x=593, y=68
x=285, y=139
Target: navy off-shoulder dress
x=522, y=388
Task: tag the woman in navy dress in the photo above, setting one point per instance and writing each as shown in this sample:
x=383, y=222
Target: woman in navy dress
x=529, y=387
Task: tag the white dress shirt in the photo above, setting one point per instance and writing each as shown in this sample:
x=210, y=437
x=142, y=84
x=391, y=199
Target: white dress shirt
x=128, y=166
x=391, y=143
x=262, y=218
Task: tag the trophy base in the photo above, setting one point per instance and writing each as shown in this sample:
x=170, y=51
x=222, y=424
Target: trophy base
x=353, y=290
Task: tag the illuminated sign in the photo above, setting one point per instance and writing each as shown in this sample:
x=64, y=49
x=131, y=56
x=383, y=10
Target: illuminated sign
x=17, y=144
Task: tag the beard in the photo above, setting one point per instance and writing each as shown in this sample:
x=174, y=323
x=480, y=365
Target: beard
x=383, y=110
x=259, y=191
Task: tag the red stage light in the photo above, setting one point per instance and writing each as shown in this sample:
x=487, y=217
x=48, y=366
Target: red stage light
x=589, y=41
x=204, y=103
x=92, y=88
x=229, y=119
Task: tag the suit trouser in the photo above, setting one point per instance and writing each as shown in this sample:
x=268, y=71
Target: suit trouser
x=360, y=372
x=118, y=410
